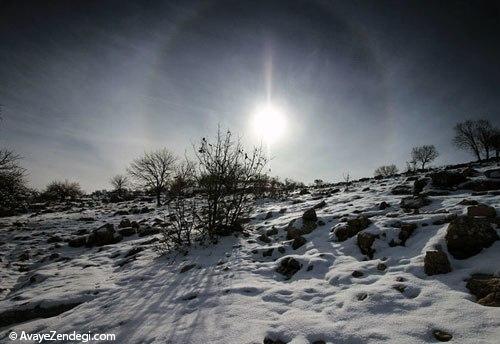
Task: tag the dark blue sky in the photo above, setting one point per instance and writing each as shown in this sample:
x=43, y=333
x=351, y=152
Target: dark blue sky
x=88, y=85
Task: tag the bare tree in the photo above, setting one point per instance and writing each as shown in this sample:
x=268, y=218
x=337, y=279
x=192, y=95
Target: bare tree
x=485, y=133
x=226, y=174
x=466, y=137
x=347, y=180
x=386, y=171
x=184, y=177
x=14, y=193
x=62, y=191
x=424, y=154
x=495, y=143
x=154, y=170
x=120, y=183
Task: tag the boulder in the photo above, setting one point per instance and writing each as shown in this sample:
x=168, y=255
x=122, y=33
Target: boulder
x=486, y=289
x=78, y=241
x=126, y=231
x=148, y=230
x=493, y=173
x=406, y=231
x=365, y=242
x=481, y=210
x=482, y=185
x=187, y=267
x=288, y=267
x=310, y=216
x=414, y=202
x=383, y=205
x=298, y=242
x=352, y=227
x=468, y=202
x=419, y=184
x=447, y=179
x=264, y=238
x=293, y=231
x=402, y=190
x=104, y=235
x=467, y=236
x=436, y=263
x=125, y=223
x=320, y=205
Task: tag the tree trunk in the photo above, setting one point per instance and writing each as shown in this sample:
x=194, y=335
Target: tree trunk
x=158, y=195
x=478, y=155
x=423, y=165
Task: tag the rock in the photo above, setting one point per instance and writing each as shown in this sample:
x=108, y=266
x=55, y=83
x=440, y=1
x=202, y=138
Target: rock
x=310, y=216
x=446, y=219
x=268, y=215
x=486, y=289
x=402, y=190
x=467, y=236
x=134, y=251
x=293, y=232
x=436, y=263
x=383, y=206
x=442, y=336
x=104, y=235
x=268, y=253
x=320, y=205
x=268, y=340
x=414, y=202
x=125, y=223
x=482, y=185
x=468, y=202
x=281, y=249
x=186, y=268
x=447, y=179
x=406, y=231
x=78, y=241
x=381, y=267
x=353, y=227
x=365, y=242
x=121, y=213
x=272, y=231
x=493, y=173
x=298, y=242
x=264, y=238
x=126, y=231
x=357, y=274
x=419, y=184
x=54, y=239
x=288, y=267
x=481, y=210
x=148, y=230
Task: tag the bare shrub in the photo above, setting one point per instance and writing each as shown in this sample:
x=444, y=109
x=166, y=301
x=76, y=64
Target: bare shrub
x=386, y=171
x=346, y=177
x=120, y=184
x=184, y=178
x=424, y=154
x=62, y=191
x=154, y=170
x=14, y=194
x=226, y=175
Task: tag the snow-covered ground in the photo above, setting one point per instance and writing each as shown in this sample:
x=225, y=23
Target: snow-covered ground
x=234, y=294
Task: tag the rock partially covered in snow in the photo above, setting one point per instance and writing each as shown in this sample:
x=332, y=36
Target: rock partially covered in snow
x=414, y=202
x=481, y=210
x=447, y=179
x=288, y=266
x=493, y=173
x=104, y=235
x=352, y=227
x=436, y=262
x=467, y=236
x=365, y=242
x=486, y=288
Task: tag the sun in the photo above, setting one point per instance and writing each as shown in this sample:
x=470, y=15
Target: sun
x=269, y=123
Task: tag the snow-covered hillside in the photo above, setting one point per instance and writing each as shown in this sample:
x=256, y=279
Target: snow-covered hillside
x=285, y=279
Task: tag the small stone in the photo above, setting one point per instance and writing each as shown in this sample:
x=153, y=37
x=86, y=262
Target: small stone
x=357, y=274
x=442, y=336
x=436, y=263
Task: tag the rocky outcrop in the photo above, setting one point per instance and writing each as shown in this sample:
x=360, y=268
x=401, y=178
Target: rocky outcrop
x=447, y=179
x=436, y=263
x=486, y=289
x=493, y=173
x=402, y=190
x=482, y=185
x=351, y=228
x=467, y=236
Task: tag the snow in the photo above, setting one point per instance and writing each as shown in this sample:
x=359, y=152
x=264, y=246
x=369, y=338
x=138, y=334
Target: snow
x=234, y=294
